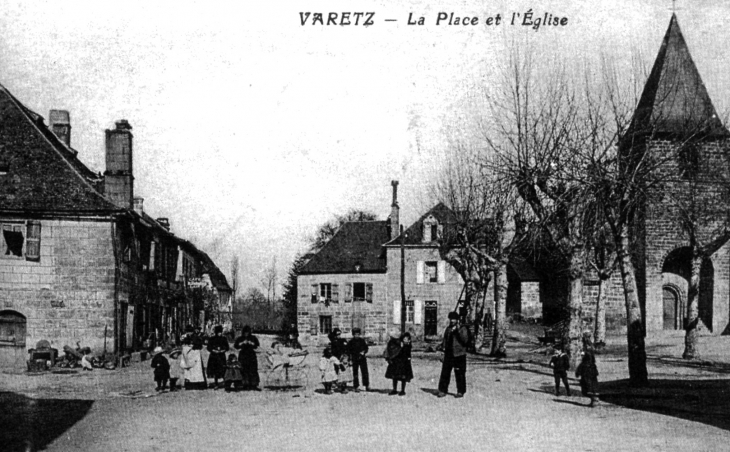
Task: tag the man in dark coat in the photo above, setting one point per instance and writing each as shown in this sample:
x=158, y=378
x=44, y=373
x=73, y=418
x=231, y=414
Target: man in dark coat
x=560, y=364
x=456, y=338
x=357, y=348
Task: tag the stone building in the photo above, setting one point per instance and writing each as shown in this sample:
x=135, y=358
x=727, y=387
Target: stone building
x=355, y=280
x=80, y=260
x=676, y=126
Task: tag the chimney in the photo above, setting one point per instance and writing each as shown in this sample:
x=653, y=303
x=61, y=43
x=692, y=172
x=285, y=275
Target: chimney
x=139, y=205
x=118, y=178
x=60, y=122
x=164, y=222
x=394, y=212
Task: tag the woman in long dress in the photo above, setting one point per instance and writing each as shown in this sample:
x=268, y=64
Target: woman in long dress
x=217, y=346
x=247, y=343
x=192, y=363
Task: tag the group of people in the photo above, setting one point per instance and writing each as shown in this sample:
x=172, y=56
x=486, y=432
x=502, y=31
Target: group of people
x=398, y=356
x=241, y=372
x=186, y=363
x=587, y=372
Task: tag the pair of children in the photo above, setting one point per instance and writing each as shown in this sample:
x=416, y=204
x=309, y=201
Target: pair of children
x=587, y=371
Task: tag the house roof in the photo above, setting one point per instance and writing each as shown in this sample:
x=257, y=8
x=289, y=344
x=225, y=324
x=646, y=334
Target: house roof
x=675, y=100
x=354, y=243
x=217, y=278
x=40, y=172
x=414, y=234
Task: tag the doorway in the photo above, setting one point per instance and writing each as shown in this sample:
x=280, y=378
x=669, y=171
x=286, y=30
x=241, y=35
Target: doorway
x=12, y=340
x=430, y=324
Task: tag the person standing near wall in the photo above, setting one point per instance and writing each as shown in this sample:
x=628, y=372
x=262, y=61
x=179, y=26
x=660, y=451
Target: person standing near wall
x=456, y=338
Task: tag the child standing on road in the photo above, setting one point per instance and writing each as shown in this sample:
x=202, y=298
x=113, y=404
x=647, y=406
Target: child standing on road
x=398, y=355
x=328, y=364
x=560, y=364
x=162, y=369
x=176, y=371
x=588, y=374
x=357, y=348
x=234, y=377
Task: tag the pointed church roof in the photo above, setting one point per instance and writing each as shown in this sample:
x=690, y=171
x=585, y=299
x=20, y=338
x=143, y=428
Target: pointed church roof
x=675, y=100
x=38, y=173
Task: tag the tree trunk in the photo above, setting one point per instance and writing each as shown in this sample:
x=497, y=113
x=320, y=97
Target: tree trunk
x=499, y=338
x=692, y=335
x=599, y=330
x=638, y=375
x=574, y=330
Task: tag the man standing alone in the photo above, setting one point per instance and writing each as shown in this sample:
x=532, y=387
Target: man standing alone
x=454, y=346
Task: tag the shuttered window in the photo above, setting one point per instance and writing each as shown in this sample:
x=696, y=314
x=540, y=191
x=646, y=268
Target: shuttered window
x=33, y=241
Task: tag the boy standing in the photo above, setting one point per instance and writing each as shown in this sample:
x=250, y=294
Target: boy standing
x=357, y=348
x=560, y=364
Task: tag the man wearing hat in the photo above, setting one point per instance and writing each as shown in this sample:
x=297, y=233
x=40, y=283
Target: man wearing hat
x=357, y=348
x=454, y=345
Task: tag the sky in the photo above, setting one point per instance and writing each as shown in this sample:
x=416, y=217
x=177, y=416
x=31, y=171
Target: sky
x=251, y=129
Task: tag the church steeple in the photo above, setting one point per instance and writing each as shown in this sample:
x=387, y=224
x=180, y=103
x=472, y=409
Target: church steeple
x=675, y=100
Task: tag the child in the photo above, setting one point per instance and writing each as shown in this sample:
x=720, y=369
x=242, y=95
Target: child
x=560, y=364
x=398, y=355
x=233, y=378
x=357, y=348
x=328, y=365
x=162, y=369
x=176, y=371
x=588, y=374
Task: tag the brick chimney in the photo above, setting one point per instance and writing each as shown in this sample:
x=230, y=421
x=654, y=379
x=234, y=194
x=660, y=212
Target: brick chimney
x=394, y=212
x=118, y=178
x=60, y=124
x=139, y=205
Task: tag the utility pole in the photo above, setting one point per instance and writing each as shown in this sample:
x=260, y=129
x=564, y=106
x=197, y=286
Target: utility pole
x=402, y=281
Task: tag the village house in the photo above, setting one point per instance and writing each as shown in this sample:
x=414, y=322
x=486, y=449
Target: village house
x=355, y=280
x=80, y=260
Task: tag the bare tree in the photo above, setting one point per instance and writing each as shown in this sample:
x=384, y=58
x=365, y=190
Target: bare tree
x=479, y=242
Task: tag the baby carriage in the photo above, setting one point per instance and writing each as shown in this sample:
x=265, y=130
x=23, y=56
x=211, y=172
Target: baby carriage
x=286, y=369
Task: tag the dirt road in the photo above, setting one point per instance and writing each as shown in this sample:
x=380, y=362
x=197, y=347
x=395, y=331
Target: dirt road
x=509, y=405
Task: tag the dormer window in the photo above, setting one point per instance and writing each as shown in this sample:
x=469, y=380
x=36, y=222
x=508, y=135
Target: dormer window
x=432, y=230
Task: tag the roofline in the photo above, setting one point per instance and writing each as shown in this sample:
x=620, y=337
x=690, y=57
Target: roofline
x=23, y=109
x=361, y=272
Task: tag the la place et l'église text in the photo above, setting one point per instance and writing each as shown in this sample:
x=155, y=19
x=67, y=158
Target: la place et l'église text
x=527, y=18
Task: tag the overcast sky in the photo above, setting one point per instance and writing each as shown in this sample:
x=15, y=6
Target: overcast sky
x=251, y=130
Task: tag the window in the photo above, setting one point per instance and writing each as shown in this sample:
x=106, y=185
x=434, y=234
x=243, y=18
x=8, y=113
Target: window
x=325, y=324
x=434, y=232
x=13, y=239
x=21, y=239
x=325, y=291
x=358, y=291
x=432, y=272
x=409, y=311
x=689, y=160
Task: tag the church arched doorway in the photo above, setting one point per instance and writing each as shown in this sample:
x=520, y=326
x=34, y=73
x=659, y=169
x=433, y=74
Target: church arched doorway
x=676, y=274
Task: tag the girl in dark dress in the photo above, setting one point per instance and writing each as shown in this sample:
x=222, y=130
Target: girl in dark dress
x=398, y=355
x=247, y=343
x=588, y=374
x=217, y=346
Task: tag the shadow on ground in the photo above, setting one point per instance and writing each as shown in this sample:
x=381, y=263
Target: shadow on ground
x=694, y=400
x=31, y=424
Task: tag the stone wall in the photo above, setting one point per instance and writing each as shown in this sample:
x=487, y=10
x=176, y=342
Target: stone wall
x=445, y=294
x=372, y=315
x=67, y=296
